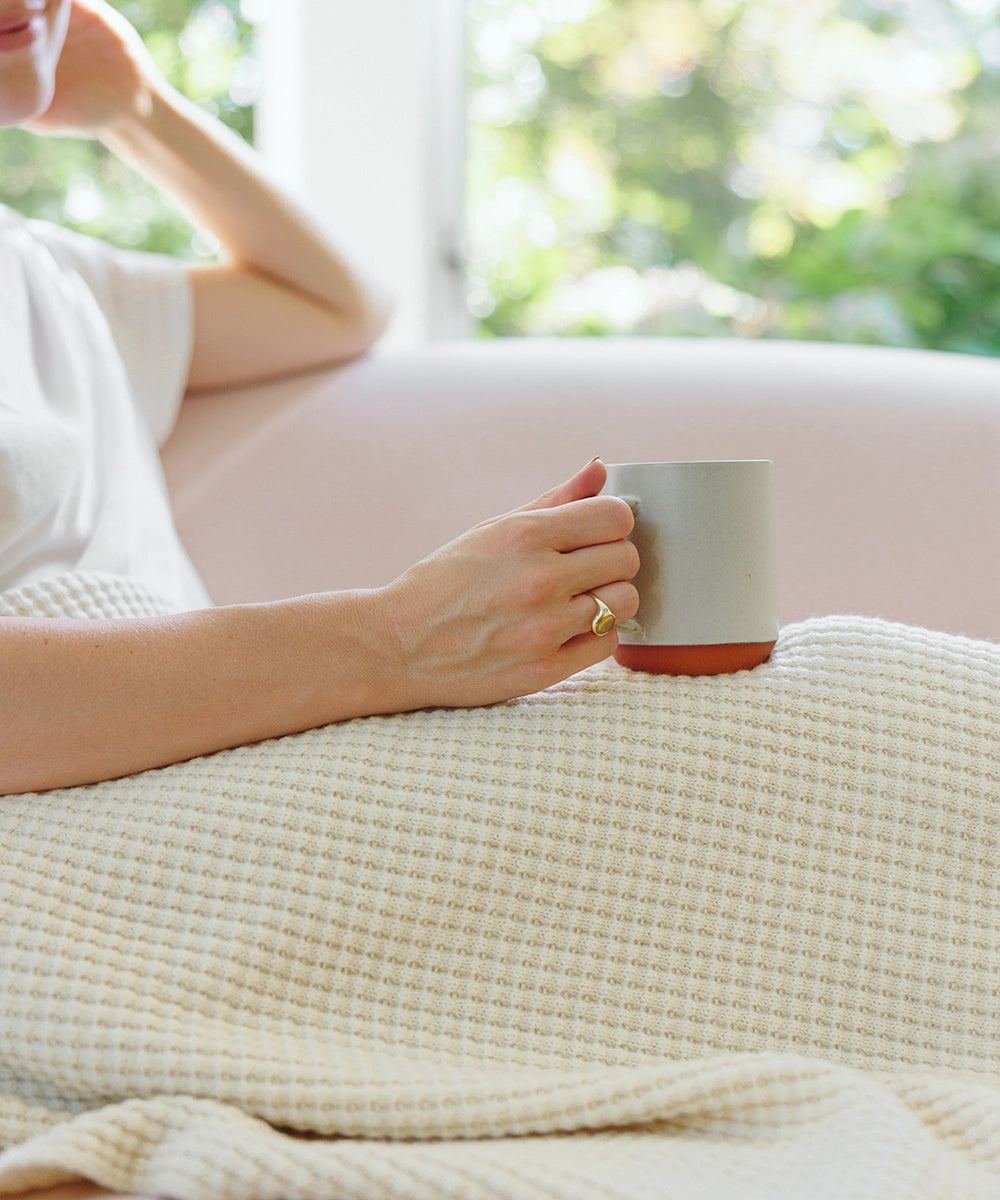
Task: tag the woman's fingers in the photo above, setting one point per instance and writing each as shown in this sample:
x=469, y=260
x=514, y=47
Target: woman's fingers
x=589, y=522
x=588, y=481
x=571, y=515
x=104, y=72
x=592, y=521
x=582, y=611
x=590, y=567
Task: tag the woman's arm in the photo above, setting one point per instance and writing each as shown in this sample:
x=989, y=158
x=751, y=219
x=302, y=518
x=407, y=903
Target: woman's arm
x=84, y=700
x=285, y=297
x=498, y=613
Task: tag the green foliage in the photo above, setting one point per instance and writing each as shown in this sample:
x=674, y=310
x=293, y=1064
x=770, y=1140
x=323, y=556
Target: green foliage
x=204, y=47
x=736, y=167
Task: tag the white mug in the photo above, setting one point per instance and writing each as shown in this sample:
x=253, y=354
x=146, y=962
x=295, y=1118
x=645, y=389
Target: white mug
x=706, y=582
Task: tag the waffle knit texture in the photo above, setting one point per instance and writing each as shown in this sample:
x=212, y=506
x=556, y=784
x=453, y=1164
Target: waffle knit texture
x=630, y=937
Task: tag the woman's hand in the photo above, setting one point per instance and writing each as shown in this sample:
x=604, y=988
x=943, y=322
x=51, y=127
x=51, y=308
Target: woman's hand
x=105, y=74
x=502, y=611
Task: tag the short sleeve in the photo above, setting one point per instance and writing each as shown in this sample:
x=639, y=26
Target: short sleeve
x=148, y=304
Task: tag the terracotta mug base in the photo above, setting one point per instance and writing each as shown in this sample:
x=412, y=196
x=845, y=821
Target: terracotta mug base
x=719, y=659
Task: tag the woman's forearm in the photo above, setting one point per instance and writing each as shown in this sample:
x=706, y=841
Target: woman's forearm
x=225, y=187
x=281, y=271
x=86, y=700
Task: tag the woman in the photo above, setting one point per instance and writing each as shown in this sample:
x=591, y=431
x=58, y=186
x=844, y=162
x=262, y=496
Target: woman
x=100, y=346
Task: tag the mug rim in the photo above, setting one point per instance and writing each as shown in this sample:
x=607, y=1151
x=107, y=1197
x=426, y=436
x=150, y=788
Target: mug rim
x=691, y=462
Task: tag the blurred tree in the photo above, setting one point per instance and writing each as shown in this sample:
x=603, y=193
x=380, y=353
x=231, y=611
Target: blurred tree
x=770, y=168
x=204, y=47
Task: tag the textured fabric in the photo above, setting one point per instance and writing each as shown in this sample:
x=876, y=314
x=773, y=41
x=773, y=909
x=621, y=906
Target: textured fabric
x=84, y=595
x=146, y=301
x=96, y=348
x=730, y=937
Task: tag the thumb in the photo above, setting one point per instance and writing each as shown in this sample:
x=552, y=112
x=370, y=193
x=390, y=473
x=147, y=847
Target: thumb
x=588, y=481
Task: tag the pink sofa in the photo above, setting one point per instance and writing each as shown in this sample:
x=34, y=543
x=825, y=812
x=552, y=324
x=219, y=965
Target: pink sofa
x=886, y=462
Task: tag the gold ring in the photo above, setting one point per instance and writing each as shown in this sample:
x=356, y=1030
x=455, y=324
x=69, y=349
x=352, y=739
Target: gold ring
x=605, y=620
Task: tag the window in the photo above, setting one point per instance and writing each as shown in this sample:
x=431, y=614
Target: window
x=770, y=168
x=753, y=168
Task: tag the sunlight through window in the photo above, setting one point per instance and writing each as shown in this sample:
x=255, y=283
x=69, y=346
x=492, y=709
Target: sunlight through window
x=721, y=167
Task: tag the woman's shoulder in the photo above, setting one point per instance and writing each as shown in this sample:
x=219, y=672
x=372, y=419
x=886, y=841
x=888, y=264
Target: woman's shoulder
x=50, y=247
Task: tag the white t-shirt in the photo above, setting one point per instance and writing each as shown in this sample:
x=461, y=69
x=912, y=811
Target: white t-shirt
x=95, y=345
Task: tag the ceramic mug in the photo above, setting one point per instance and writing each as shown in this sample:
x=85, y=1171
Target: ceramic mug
x=706, y=582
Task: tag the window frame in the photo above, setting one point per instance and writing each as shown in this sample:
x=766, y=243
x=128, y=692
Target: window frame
x=361, y=113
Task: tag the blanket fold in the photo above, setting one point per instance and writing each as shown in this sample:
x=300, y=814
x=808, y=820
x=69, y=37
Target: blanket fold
x=633, y=936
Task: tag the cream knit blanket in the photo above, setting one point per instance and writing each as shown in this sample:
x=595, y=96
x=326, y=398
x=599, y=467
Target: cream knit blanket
x=631, y=937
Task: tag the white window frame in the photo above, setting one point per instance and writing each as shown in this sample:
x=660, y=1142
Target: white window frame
x=361, y=113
